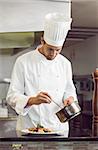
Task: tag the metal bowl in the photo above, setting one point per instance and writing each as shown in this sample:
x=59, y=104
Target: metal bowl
x=69, y=112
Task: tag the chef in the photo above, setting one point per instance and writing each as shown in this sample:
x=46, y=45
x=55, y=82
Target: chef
x=43, y=77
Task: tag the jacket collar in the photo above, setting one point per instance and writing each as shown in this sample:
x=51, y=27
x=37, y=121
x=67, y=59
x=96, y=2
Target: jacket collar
x=43, y=59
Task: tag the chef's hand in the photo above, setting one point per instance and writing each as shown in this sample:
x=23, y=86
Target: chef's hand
x=42, y=97
x=68, y=101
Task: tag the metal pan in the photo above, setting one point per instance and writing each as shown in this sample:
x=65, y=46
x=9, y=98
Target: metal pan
x=69, y=112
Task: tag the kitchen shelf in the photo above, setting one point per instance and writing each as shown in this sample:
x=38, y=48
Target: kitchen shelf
x=8, y=118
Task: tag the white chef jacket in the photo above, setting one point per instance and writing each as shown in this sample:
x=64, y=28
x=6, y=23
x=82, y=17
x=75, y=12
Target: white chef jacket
x=33, y=73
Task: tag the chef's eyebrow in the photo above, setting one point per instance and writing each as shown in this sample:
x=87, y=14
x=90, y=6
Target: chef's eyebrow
x=54, y=49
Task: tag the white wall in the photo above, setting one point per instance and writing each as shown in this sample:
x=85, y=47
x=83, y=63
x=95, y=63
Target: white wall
x=7, y=63
x=6, y=66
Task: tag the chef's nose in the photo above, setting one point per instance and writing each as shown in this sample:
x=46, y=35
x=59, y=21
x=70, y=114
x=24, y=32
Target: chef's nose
x=53, y=52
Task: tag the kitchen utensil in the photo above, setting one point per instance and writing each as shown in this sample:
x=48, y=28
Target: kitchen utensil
x=69, y=112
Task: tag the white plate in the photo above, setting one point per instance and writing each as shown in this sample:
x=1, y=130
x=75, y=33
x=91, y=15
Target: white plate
x=26, y=131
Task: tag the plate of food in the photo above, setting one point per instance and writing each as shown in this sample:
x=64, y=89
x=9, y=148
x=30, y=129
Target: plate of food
x=40, y=130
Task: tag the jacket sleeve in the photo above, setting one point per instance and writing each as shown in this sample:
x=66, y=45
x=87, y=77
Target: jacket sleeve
x=15, y=96
x=70, y=89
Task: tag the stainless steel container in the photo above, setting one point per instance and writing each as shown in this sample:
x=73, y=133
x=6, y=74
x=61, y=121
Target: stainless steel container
x=69, y=112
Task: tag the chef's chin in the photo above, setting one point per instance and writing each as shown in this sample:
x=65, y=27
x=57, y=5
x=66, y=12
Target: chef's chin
x=50, y=57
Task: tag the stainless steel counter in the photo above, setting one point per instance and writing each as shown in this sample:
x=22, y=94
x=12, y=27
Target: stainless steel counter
x=10, y=139
x=15, y=141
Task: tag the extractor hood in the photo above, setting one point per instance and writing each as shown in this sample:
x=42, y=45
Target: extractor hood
x=16, y=39
x=10, y=43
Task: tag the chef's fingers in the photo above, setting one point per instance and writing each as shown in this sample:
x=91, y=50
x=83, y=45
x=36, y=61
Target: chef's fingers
x=70, y=100
x=44, y=100
x=47, y=94
x=65, y=102
x=44, y=97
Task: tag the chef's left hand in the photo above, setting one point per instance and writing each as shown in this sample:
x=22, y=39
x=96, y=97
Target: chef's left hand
x=68, y=101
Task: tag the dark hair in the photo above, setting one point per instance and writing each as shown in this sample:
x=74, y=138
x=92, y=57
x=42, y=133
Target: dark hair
x=42, y=37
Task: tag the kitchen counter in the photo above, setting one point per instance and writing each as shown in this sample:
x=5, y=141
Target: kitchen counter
x=14, y=140
x=13, y=135
x=8, y=132
x=10, y=139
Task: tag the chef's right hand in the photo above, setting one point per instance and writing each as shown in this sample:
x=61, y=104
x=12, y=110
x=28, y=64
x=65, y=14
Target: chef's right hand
x=42, y=97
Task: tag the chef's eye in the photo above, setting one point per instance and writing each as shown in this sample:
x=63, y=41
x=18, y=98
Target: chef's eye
x=50, y=49
x=57, y=50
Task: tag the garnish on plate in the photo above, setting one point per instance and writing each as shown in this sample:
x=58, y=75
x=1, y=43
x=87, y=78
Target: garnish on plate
x=40, y=129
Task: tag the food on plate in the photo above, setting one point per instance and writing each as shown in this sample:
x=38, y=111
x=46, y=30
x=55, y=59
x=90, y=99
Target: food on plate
x=40, y=129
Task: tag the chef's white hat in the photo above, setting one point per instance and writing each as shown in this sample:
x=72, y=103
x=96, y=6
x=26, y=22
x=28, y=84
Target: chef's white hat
x=56, y=27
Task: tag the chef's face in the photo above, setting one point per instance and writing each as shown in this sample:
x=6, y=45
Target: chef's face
x=50, y=52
